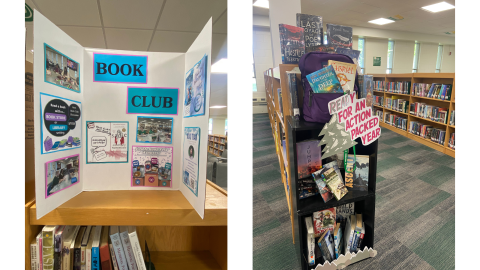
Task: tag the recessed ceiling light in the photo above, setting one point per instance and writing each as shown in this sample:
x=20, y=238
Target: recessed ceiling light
x=438, y=7
x=217, y=107
x=381, y=21
x=261, y=4
x=220, y=66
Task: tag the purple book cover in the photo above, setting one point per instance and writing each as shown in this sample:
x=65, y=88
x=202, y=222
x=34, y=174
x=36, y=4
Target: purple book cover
x=309, y=158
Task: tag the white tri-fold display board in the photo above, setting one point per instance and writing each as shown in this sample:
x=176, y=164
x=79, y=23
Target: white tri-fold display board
x=118, y=120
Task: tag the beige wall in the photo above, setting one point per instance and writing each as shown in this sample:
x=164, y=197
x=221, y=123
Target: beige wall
x=403, y=56
x=262, y=54
x=373, y=48
x=428, y=58
x=218, y=126
x=448, y=61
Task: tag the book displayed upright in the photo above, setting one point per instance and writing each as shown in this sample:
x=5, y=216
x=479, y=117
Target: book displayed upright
x=324, y=220
x=112, y=251
x=324, y=81
x=294, y=99
x=76, y=259
x=340, y=36
x=137, y=250
x=127, y=247
x=39, y=250
x=48, y=247
x=346, y=74
x=105, y=261
x=349, y=232
x=68, y=248
x=33, y=254
x=367, y=89
x=356, y=175
x=95, y=251
x=310, y=240
x=118, y=248
x=321, y=48
x=292, y=43
x=85, y=239
x=58, y=244
x=88, y=251
x=309, y=158
x=313, y=29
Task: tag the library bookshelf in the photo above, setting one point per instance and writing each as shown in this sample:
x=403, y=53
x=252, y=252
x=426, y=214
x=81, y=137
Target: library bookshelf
x=217, y=144
x=444, y=78
x=176, y=235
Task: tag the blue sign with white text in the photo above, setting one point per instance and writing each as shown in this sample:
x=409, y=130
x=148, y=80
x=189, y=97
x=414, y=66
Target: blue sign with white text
x=152, y=100
x=119, y=68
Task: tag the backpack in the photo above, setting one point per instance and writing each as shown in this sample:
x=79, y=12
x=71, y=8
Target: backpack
x=315, y=105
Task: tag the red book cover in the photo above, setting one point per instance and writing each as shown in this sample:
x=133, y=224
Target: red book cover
x=105, y=257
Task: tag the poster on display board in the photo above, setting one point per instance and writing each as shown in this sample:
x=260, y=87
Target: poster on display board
x=154, y=129
x=61, y=173
x=61, y=70
x=152, y=166
x=191, y=146
x=195, y=87
x=107, y=142
x=61, y=127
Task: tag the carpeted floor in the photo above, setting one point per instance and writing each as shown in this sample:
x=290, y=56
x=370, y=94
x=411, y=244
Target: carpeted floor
x=415, y=206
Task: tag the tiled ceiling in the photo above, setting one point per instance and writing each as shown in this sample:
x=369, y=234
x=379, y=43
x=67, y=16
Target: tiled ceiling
x=359, y=12
x=141, y=25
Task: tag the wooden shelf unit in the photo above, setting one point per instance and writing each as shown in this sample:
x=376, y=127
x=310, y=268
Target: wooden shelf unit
x=216, y=140
x=444, y=78
x=177, y=237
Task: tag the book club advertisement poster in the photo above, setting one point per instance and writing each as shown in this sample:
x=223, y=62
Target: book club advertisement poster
x=61, y=173
x=191, y=144
x=151, y=166
x=195, y=89
x=107, y=142
x=61, y=127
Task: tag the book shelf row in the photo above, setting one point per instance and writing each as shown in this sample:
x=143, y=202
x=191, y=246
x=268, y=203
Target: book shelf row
x=217, y=144
x=425, y=100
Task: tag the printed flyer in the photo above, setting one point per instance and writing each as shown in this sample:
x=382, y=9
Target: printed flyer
x=152, y=166
x=61, y=127
x=154, y=129
x=191, y=143
x=195, y=89
x=107, y=142
x=61, y=173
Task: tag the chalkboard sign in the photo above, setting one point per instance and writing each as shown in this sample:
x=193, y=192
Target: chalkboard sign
x=313, y=29
x=339, y=36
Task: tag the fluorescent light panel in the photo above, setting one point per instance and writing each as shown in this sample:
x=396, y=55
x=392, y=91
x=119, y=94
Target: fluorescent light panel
x=261, y=4
x=221, y=66
x=217, y=107
x=438, y=7
x=381, y=21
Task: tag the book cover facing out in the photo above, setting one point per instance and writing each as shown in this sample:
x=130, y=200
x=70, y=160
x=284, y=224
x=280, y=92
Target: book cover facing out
x=340, y=36
x=357, y=180
x=367, y=89
x=324, y=81
x=346, y=74
x=292, y=43
x=324, y=220
x=354, y=54
x=313, y=29
x=309, y=158
x=321, y=48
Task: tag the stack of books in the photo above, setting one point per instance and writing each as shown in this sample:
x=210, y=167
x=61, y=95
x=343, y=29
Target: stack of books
x=87, y=247
x=396, y=121
x=379, y=85
x=429, y=112
x=434, y=90
x=378, y=100
x=398, y=87
x=419, y=129
x=438, y=136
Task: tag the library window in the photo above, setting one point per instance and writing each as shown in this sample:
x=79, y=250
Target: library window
x=361, y=58
x=439, y=59
x=391, y=46
x=254, y=80
x=226, y=126
x=325, y=39
x=416, y=54
x=210, y=126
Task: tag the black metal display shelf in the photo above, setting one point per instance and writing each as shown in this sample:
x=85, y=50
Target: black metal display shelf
x=364, y=201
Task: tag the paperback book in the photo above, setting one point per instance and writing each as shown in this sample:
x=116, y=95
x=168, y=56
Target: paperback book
x=367, y=89
x=324, y=220
x=334, y=182
x=322, y=188
x=309, y=158
x=321, y=48
x=313, y=29
x=292, y=43
x=346, y=74
x=293, y=90
x=354, y=54
x=343, y=212
x=324, y=81
x=356, y=174
x=340, y=36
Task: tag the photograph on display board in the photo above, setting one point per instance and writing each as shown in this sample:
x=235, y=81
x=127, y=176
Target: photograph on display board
x=152, y=166
x=154, y=129
x=195, y=89
x=61, y=70
x=61, y=173
x=191, y=145
x=60, y=127
x=107, y=142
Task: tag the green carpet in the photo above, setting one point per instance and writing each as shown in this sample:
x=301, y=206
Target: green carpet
x=415, y=206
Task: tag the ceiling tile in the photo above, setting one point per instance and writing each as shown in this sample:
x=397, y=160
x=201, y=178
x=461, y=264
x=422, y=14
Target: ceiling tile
x=362, y=8
x=91, y=37
x=190, y=15
x=220, y=26
x=128, y=39
x=170, y=41
x=131, y=14
x=78, y=13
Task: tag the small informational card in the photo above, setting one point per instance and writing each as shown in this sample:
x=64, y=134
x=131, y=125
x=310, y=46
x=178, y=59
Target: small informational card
x=107, y=142
x=195, y=89
x=61, y=173
x=151, y=166
x=191, y=144
x=154, y=129
x=61, y=127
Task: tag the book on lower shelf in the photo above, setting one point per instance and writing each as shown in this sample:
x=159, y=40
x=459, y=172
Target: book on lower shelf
x=430, y=112
x=379, y=85
x=451, y=142
x=434, y=90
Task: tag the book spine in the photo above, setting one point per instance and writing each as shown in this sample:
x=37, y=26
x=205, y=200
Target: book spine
x=112, y=255
x=77, y=259
x=33, y=256
x=127, y=247
x=88, y=260
x=66, y=257
x=57, y=260
x=119, y=253
x=83, y=260
x=360, y=240
x=47, y=250
x=137, y=251
x=95, y=258
x=105, y=257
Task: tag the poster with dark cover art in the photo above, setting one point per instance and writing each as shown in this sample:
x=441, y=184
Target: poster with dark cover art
x=292, y=43
x=313, y=29
x=340, y=36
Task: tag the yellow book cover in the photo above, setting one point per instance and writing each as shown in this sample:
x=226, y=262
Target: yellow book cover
x=345, y=73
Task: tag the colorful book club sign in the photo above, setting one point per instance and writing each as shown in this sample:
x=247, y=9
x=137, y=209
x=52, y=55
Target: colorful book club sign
x=357, y=118
x=152, y=100
x=120, y=68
